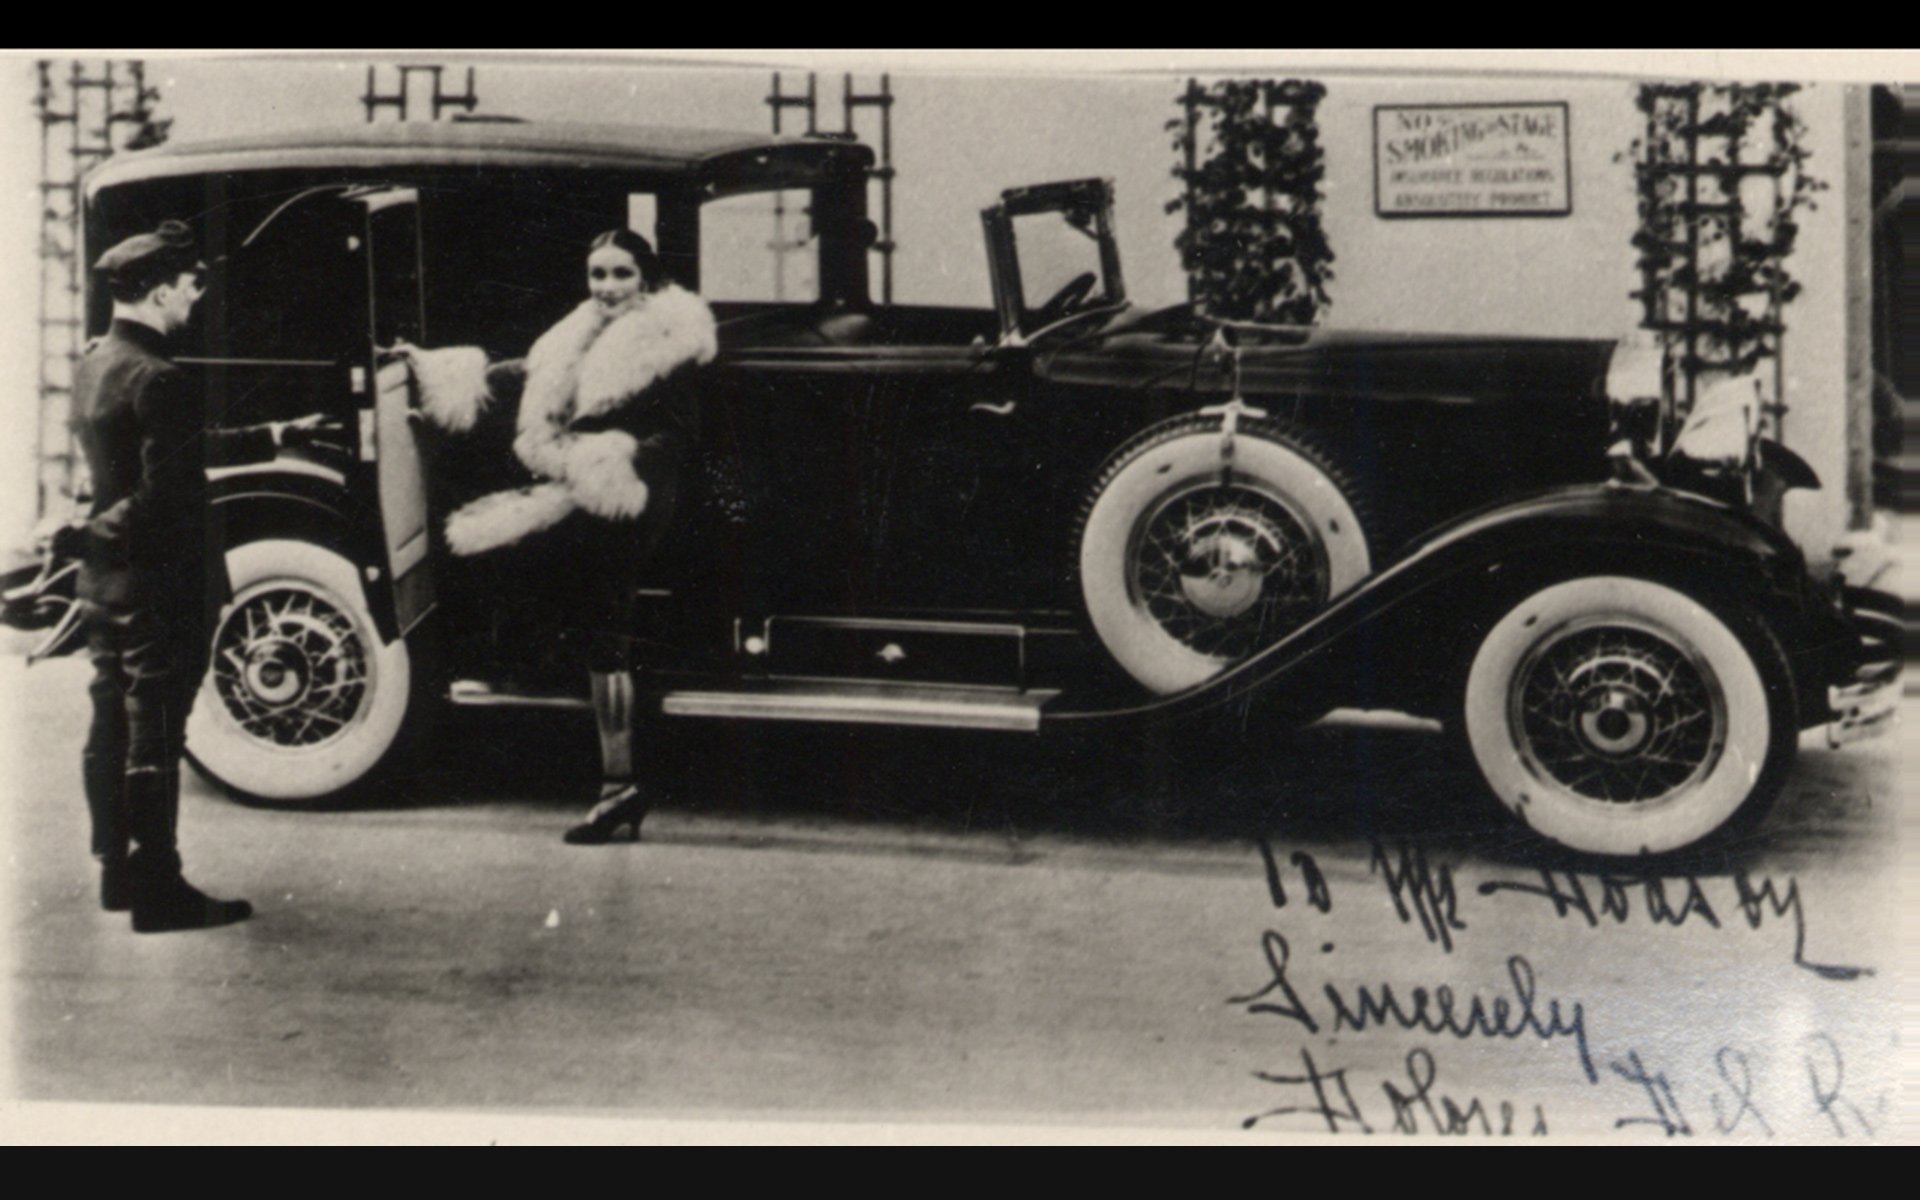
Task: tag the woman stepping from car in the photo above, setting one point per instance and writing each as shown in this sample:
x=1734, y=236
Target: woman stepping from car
x=606, y=420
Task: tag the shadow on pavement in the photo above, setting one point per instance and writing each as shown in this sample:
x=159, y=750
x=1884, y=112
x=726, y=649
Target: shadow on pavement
x=1333, y=783
x=1337, y=783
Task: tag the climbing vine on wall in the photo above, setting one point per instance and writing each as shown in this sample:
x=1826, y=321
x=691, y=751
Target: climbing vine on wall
x=1722, y=179
x=1251, y=165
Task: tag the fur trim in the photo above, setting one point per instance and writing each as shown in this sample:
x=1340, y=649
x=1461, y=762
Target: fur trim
x=453, y=386
x=543, y=450
x=504, y=518
x=586, y=366
x=600, y=473
x=553, y=373
x=672, y=329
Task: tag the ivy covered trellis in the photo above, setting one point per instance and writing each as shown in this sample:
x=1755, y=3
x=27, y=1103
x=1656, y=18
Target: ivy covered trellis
x=1251, y=166
x=1721, y=177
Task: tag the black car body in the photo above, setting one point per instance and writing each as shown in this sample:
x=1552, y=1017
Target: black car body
x=1057, y=509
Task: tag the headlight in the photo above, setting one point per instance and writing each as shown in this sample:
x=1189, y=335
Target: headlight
x=1636, y=395
x=1721, y=427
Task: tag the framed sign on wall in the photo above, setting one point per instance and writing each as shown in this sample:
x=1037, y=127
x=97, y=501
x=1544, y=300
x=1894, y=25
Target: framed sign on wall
x=1471, y=160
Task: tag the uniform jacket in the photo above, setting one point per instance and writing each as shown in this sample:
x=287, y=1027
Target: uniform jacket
x=600, y=398
x=144, y=432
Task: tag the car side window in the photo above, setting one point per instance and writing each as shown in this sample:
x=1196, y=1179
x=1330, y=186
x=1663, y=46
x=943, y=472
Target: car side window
x=395, y=233
x=297, y=288
x=759, y=247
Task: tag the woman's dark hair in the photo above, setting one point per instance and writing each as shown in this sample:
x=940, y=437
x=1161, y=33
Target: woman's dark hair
x=651, y=272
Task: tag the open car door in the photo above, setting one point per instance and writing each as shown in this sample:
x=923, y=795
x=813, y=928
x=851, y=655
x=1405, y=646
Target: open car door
x=392, y=220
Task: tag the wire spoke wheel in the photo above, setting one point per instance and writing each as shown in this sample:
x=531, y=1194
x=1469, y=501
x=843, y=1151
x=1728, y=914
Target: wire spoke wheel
x=291, y=668
x=1619, y=713
x=1226, y=569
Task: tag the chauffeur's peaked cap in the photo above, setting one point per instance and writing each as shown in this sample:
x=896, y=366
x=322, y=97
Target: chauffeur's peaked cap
x=171, y=245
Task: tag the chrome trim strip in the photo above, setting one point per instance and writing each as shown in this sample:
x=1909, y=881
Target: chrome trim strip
x=279, y=466
x=471, y=695
x=909, y=625
x=933, y=687
x=864, y=708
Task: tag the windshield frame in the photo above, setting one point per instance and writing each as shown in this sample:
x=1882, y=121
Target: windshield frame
x=1086, y=204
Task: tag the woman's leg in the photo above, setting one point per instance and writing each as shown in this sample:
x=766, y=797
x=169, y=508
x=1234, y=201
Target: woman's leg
x=604, y=625
x=623, y=804
x=620, y=550
x=613, y=712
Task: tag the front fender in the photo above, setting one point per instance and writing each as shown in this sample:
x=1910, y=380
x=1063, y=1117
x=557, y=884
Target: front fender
x=295, y=498
x=1406, y=631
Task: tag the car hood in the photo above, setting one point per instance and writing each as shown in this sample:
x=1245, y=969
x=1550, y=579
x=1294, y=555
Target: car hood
x=1163, y=349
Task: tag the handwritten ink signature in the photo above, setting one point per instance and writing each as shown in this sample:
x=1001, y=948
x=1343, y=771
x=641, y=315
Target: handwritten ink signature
x=1740, y=1089
x=1612, y=895
x=1420, y=891
x=1436, y=1010
x=1332, y=1101
x=1424, y=892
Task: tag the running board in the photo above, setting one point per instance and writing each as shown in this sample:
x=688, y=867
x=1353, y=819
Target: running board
x=470, y=694
x=868, y=704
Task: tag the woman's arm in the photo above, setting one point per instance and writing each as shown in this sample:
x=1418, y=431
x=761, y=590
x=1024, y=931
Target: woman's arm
x=507, y=374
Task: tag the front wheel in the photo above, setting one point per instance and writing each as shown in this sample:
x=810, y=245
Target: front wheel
x=1617, y=716
x=303, y=700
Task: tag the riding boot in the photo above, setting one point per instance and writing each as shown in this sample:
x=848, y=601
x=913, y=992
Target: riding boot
x=103, y=776
x=162, y=900
x=622, y=804
x=105, y=781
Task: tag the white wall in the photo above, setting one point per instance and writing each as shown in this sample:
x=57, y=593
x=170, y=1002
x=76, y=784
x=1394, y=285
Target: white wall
x=19, y=347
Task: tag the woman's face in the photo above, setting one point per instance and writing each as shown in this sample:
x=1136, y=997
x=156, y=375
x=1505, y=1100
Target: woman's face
x=613, y=280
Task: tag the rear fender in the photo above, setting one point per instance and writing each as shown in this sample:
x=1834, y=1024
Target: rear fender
x=1403, y=635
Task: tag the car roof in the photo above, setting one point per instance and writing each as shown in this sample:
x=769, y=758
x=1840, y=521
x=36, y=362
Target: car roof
x=668, y=152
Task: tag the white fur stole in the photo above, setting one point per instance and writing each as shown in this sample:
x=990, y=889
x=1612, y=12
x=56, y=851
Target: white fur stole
x=586, y=366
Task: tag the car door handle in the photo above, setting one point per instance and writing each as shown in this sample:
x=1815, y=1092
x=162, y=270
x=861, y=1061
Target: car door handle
x=997, y=410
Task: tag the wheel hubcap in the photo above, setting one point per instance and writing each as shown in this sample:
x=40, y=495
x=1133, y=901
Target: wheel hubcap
x=1223, y=571
x=275, y=672
x=1226, y=569
x=290, y=668
x=1618, y=713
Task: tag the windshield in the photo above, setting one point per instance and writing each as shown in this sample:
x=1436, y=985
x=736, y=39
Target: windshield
x=1061, y=271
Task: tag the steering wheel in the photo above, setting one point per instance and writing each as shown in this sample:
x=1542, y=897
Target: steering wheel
x=1063, y=301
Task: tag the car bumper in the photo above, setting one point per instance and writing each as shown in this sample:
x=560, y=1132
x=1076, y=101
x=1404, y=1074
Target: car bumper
x=1867, y=705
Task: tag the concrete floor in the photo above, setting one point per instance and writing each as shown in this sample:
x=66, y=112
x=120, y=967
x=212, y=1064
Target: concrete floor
x=920, y=937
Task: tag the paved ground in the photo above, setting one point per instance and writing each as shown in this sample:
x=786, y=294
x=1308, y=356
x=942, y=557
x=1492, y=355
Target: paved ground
x=921, y=933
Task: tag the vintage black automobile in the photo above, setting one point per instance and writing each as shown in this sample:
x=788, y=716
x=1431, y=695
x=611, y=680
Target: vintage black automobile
x=1059, y=510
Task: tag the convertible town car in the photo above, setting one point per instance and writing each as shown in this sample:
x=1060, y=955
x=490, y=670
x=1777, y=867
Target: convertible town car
x=1059, y=509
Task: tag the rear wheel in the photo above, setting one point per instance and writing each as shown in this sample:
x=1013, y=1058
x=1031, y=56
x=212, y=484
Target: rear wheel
x=303, y=701
x=1617, y=716
x=1195, y=554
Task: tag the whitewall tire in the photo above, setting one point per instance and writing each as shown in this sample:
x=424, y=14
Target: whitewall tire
x=1618, y=716
x=302, y=699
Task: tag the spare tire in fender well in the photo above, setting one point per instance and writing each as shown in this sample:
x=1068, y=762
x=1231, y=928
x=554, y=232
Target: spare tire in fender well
x=1197, y=546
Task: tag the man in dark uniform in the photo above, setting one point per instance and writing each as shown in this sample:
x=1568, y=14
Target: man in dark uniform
x=148, y=573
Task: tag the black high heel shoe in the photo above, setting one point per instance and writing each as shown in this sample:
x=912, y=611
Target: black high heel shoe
x=624, y=809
